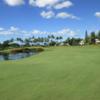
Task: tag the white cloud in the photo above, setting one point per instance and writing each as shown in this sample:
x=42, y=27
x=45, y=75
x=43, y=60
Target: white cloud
x=6, y=32
x=65, y=4
x=13, y=31
x=62, y=15
x=97, y=14
x=35, y=32
x=63, y=32
x=67, y=31
x=39, y=33
x=47, y=15
x=65, y=15
x=42, y=3
x=57, y=4
x=1, y=29
x=14, y=2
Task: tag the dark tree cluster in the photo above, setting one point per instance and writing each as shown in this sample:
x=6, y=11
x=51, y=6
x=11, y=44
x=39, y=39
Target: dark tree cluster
x=91, y=38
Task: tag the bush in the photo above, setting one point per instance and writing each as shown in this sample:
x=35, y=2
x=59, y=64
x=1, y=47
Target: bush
x=39, y=49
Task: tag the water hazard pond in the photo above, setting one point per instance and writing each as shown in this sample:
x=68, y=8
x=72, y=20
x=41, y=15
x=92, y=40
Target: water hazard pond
x=19, y=54
x=16, y=56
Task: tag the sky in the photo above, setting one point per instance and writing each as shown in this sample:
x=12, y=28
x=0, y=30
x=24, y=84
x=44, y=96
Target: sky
x=68, y=18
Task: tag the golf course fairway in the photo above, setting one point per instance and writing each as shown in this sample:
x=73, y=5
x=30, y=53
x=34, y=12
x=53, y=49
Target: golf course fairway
x=58, y=73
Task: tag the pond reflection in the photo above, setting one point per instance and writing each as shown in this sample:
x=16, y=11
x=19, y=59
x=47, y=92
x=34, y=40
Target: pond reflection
x=16, y=56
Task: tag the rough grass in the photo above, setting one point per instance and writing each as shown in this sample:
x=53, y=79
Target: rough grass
x=58, y=73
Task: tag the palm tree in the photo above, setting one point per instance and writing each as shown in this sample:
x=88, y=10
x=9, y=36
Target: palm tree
x=20, y=40
x=93, y=37
x=86, y=37
x=98, y=35
x=60, y=38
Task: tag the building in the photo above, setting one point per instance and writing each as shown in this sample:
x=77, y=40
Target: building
x=97, y=41
x=81, y=43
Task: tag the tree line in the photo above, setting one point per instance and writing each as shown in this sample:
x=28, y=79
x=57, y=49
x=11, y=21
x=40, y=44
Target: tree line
x=91, y=39
x=51, y=40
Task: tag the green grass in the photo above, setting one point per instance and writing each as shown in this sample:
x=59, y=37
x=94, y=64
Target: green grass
x=58, y=73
